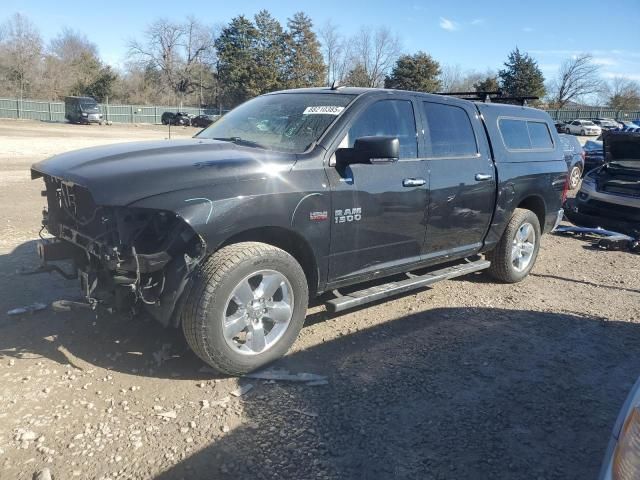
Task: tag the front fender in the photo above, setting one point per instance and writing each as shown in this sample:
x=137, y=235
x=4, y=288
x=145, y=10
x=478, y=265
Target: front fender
x=223, y=212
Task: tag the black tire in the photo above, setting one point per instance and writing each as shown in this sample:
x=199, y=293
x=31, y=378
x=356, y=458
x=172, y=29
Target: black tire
x=568, y=131
x=575, y=174
x=502, y=268
x=583, y=133
x=207, y=296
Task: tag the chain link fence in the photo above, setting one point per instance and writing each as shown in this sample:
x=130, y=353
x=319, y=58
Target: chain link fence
x=54, y=112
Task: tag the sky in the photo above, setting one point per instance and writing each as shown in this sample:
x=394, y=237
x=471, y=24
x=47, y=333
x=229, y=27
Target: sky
x=454, y=32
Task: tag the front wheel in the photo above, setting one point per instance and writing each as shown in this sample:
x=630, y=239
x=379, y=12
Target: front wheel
x=516, y=253
x=245, y=307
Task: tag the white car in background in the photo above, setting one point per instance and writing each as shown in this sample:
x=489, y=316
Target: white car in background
x=583, y=127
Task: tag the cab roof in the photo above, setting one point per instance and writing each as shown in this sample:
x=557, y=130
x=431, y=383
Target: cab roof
x=497, y=109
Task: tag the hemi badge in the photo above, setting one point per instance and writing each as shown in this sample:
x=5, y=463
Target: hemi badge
x=318, y=216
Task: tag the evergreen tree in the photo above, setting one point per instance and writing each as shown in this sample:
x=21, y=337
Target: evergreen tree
x=489, y=84
x=357, y=77
x=237, y=47
x=270, y=53
x=522, y=76
x=418, y=72
x=304, y=65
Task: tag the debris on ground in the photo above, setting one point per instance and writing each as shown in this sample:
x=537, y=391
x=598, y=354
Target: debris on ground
x=44, y=474
x=169, y=414
x=604, y=239
x=305, y=413
x=238, y=392
x=34, y=307
x=163, y=354
x=285, y=375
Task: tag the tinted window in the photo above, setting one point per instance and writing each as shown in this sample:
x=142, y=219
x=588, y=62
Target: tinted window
x=450, y=133
x=539, y=134
x=393, y=118
x=515, y=134
x=525, y=135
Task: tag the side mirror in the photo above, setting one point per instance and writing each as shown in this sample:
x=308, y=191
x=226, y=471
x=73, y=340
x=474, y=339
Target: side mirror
x=373, y=150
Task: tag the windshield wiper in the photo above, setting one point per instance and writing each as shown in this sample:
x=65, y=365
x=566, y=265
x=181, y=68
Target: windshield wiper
x=240, y=141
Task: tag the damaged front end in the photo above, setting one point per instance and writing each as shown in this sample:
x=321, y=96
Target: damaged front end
x=125, y=257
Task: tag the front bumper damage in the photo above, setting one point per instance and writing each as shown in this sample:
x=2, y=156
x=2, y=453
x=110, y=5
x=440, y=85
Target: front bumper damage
x=126, y=258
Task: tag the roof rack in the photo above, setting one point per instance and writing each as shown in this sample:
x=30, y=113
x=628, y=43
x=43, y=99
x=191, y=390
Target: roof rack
x=488, y=97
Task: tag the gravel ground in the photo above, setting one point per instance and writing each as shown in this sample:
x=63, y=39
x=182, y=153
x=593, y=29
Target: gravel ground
x=468, y=379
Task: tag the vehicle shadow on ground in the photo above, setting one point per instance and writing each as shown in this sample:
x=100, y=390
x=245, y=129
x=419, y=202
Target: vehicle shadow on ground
x=445, y=393
x=87, y=339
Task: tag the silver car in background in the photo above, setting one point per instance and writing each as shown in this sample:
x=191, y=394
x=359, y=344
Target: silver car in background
x=583, y=127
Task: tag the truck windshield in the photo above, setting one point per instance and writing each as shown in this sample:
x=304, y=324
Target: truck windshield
x=287, y=122
x=89, y=107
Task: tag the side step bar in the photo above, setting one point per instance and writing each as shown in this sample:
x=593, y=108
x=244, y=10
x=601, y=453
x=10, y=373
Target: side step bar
x=361, y=297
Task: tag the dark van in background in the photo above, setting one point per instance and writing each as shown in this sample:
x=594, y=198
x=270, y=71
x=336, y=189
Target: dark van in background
x=82, y=110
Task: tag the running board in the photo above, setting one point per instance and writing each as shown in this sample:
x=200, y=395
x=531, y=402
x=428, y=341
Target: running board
x=361, y=297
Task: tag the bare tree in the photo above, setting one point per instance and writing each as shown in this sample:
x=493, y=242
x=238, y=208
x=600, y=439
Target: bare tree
x=623, y=94
x=376, y=53
x=334, y=51
x=180, y=51
x=20, y=54
x=577, y=78
x=71, y=63
x=452, y=78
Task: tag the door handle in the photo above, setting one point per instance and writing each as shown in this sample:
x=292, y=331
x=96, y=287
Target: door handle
x=413, y=182
x=481, y=177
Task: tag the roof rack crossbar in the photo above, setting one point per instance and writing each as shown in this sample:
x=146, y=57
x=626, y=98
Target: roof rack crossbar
x=488, y=97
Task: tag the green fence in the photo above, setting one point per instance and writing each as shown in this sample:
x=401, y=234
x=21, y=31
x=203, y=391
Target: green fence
x=568, y=114
x=54, y=112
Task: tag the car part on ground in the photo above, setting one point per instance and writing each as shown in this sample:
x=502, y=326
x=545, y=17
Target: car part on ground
x=610, y=194
x=604, y=239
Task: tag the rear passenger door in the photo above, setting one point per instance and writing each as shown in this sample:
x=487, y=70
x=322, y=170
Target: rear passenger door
x=462, y=179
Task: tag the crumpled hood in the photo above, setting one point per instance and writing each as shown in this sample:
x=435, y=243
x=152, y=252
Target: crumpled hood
x=124, y=173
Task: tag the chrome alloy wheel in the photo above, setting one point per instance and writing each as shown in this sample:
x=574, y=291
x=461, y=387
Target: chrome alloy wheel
x=258, y=312
x=523, y=247
x=574, y=179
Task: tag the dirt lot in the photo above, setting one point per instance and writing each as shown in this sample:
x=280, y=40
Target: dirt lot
x=468, y=379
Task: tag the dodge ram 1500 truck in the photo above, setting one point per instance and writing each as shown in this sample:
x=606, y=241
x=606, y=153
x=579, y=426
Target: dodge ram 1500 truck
x=301, y=192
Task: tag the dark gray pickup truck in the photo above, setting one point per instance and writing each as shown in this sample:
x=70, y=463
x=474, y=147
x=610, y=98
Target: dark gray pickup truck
x=297, y=193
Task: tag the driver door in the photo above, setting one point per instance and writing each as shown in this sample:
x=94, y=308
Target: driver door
x=378, y=210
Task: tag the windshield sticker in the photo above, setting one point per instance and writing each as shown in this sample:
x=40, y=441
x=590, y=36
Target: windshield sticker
x=323, y=110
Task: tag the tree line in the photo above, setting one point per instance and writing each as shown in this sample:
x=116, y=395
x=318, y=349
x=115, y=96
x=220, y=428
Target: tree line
x=195, y=64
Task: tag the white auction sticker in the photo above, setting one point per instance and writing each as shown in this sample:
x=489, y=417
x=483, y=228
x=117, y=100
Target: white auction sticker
x=323, y=110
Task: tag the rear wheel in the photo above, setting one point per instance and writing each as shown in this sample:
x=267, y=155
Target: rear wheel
x=245, y=307
x=574, y=177
x=516, y=253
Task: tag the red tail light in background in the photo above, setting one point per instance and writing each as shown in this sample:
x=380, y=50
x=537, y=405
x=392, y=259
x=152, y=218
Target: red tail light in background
x=565, y=189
